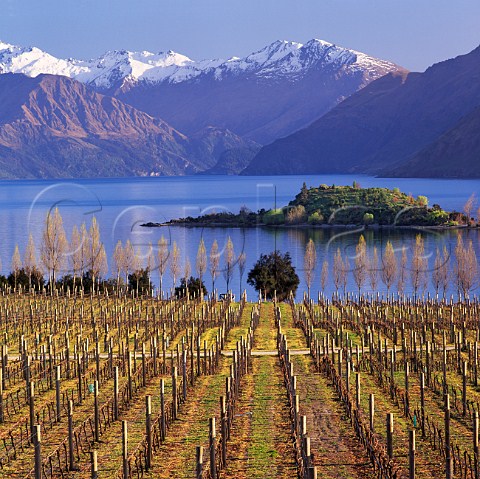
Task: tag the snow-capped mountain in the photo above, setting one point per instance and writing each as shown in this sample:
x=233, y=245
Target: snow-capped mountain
x=115, y=68
x=263, y=96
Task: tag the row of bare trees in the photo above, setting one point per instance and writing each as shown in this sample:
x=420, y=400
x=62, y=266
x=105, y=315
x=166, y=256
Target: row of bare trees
x=85, y=253
x=395, y=268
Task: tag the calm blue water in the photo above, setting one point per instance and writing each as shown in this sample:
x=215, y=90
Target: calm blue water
x=121, y=205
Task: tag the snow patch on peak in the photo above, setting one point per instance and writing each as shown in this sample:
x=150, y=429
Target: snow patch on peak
x=114, y=69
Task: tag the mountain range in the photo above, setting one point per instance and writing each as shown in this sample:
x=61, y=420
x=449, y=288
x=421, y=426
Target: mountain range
x=403, y=124
x=178, y=116
x=315, y=108
x=52, y=126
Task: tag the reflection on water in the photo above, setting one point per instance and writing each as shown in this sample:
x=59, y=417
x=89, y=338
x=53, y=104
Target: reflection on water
x=121, y=205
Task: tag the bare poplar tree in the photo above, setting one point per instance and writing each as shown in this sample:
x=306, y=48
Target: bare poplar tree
x=175, y=263
x=440, y=272
x=324, y=275
x=150, y=265
x=118, y=260
x=469, y=206
x=102, y=263
x=54, y=245
x=447, y=273
x=389, y=267
x=16, y=264
x=402, y=273
x=162, y=259
x=346, y=269
x=466, y=267
x=94, y=259
x=309, y=264
x=75, y=254
x=419, y=265
x=373, y=269
x=201, y=261
x=471, y=271
x=339, y=271
x=83, y=253
x=214, y=261
x=459, y=263
x=30, y=260
x=137, y=266
x=128, y=263
x=360, y=269
x=229, y=263
x=187, y=269
x=242, y=261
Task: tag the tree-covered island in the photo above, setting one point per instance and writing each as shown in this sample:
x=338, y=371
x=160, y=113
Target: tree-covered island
x=336, y=206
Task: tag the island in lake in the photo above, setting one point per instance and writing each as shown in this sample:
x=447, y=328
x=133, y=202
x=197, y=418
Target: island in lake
x=336, y=206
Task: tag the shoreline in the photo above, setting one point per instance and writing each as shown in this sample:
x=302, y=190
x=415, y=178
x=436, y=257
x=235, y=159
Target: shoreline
x=306, y=226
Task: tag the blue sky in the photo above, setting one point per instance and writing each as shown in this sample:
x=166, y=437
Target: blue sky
x=413, y=33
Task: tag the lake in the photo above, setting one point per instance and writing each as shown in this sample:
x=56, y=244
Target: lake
x=121, y=205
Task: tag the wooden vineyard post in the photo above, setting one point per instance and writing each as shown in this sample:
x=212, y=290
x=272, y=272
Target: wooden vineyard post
x=212, y=446
x=144, y=373
x=4, y=364
x=411, y=454
x=390, y=435
x=31, y=403
x=392, y=371
x=427, y=361
x=27, y=376
x=67, y=354
x=97, y=361
x=57, y=393
x=71, y=462
x=371, y=410
x=205, y=369
x=199, y=457
x=163, y=424
x=94, y=464
x=96, y=411
x=475, y=442
x=444, y=368
x=308, y=454
x=223, y=433
x=357, y=390
x=125, y=449
x=448, y=457
x=38, y=452
x=174, y=392
x=1, y=396
x=475, y=363
x=129, y=373
x=79, y=375
x=148, y=430
x=340, y=363
x=154, y=348
x=407, y=400
x=464, y=388
x=192, y=357
x=184, y=375
x=347, y=377
x=115, y=393
x=422, y=402
x=198, y=355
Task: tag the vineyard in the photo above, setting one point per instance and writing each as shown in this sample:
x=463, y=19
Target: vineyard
x=127, y=387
